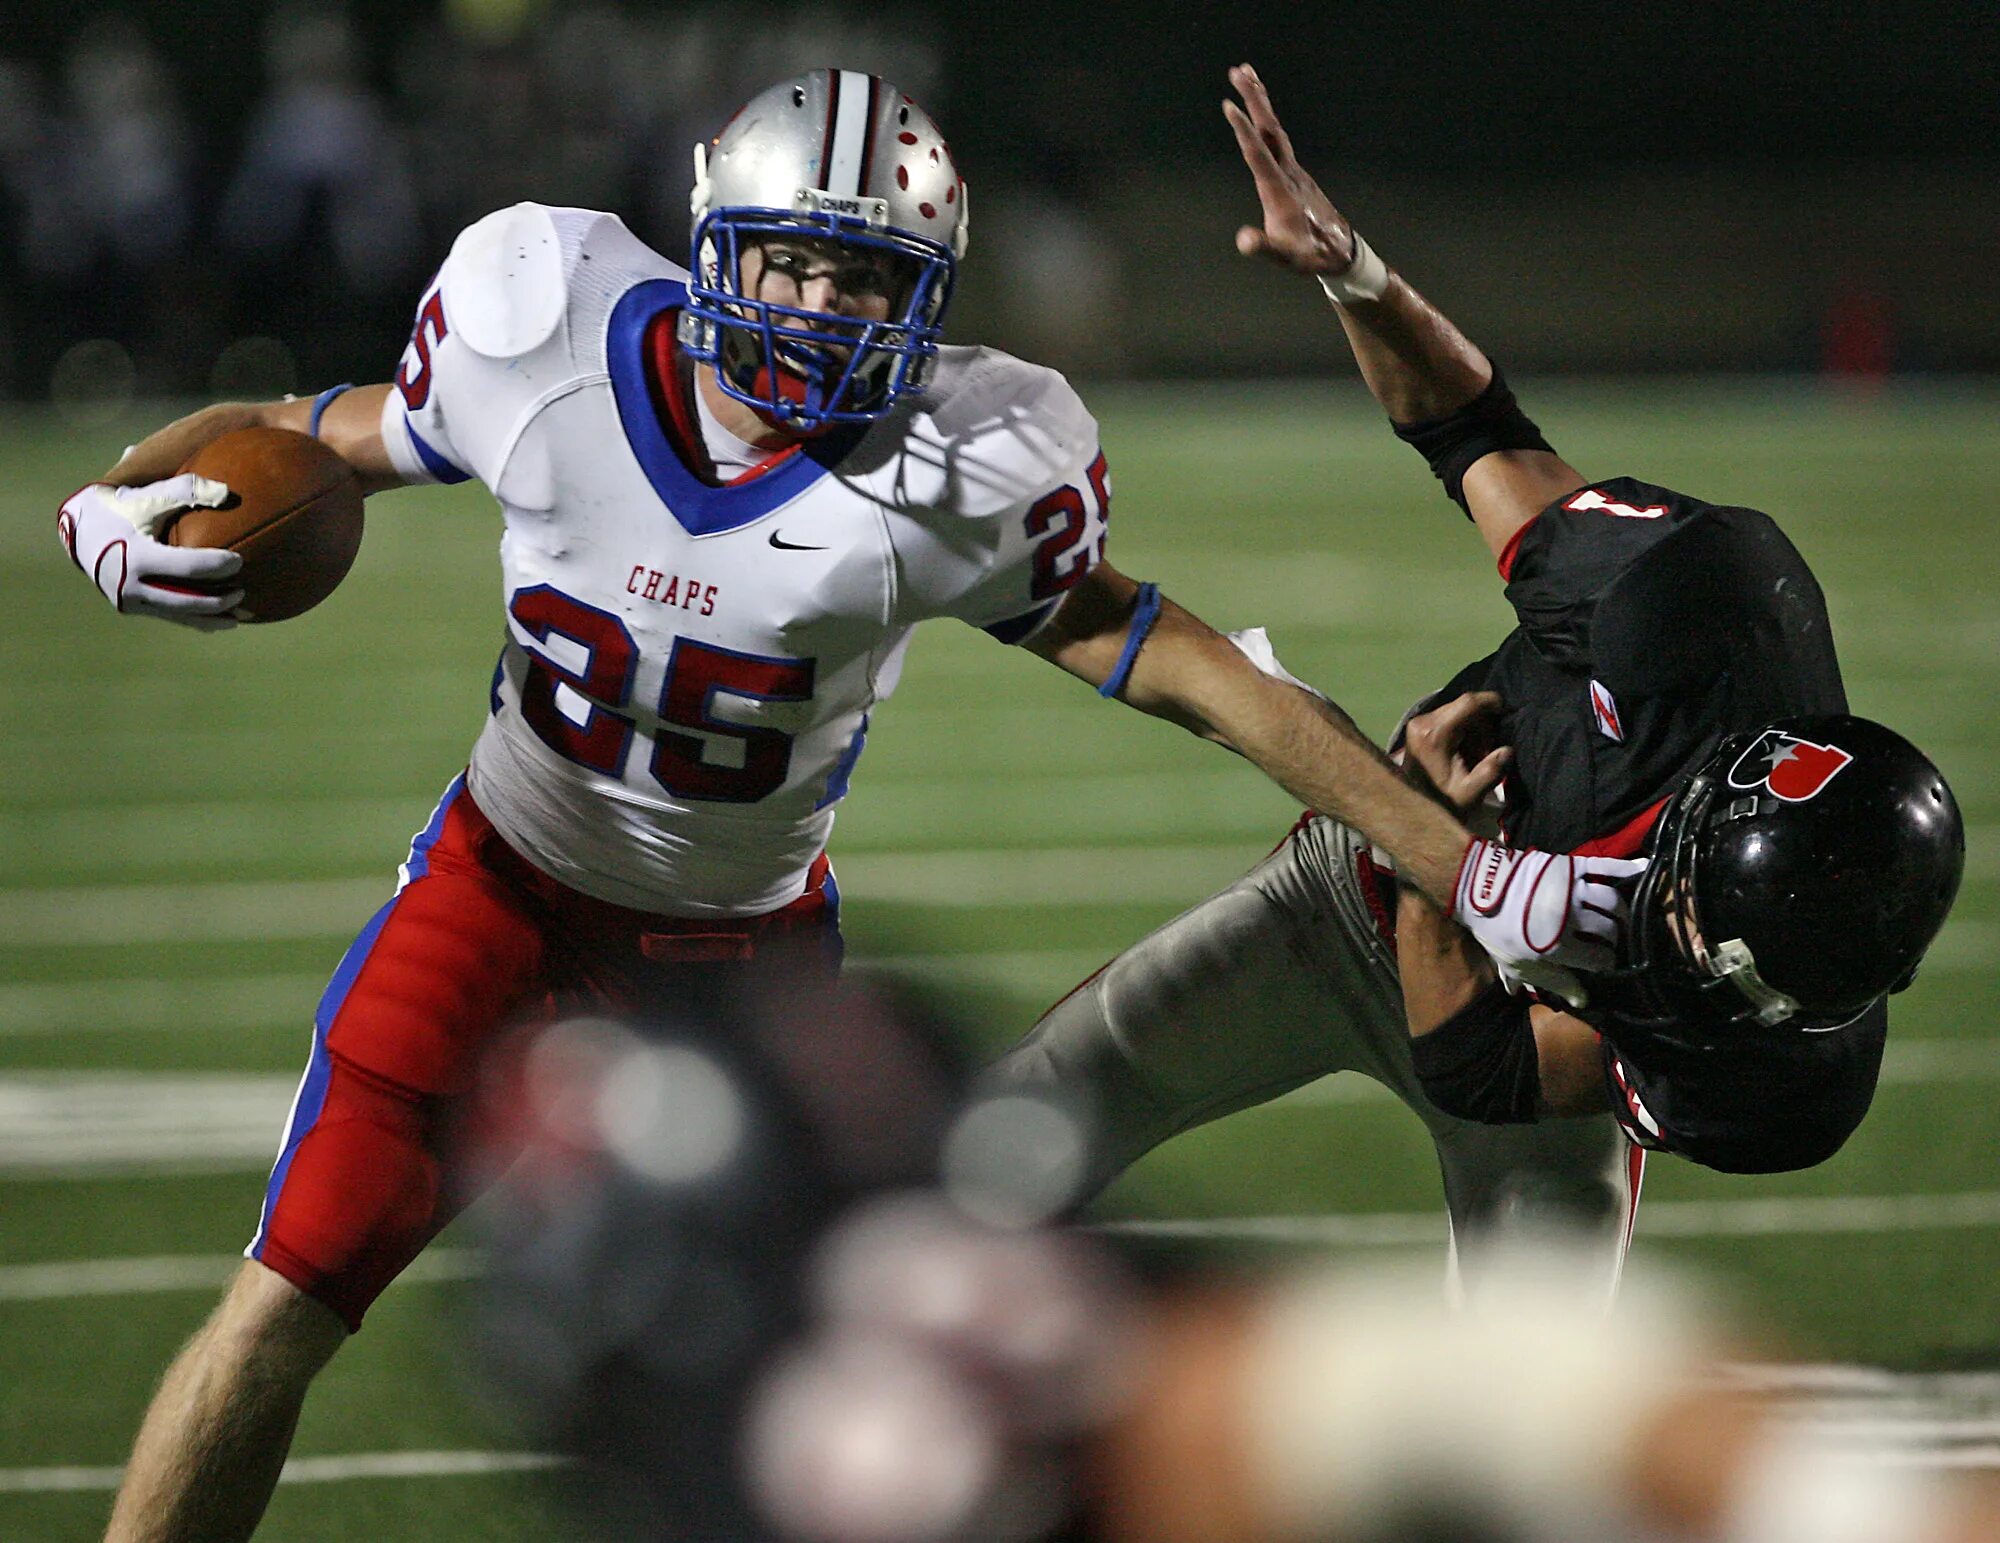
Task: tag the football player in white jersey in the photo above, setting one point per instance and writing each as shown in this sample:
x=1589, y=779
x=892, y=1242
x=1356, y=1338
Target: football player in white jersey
x=729, y=493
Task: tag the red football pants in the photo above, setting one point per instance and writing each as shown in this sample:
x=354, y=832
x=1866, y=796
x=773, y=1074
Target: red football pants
x=476, y=942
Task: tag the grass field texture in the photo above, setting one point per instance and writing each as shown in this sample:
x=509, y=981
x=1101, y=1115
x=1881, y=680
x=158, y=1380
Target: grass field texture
x=193, y=827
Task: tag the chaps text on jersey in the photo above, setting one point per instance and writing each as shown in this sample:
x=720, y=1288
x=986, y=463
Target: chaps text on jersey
x=671, y=589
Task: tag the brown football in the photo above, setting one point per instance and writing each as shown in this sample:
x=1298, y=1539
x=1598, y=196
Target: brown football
x=294, y=513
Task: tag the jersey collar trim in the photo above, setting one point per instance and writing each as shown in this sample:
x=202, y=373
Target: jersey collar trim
x=699, y=509
x=1512, y=550
x=1627, y=839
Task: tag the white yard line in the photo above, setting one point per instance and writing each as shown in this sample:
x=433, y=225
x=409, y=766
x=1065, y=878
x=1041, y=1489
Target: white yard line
x=1918, y=1420
x=1966, y=1389
x=215, y=912
x=145, y=1005
x=1799, y=1216
x=68, y=1279
x=432, y=1465
x=142, y=1005
x=120, y=914
x=304, y=1470
x=123, y=914
x=94, y=1122
x=82, y=1124
x=125, y=838
x=62, y=1280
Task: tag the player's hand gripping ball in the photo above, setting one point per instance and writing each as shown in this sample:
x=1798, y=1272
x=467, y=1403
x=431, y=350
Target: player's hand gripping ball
x=293, y=514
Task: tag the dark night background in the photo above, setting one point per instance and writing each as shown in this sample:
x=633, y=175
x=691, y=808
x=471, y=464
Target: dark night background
x=1670, y=187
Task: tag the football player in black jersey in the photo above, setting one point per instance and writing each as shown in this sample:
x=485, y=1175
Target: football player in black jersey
x=1671, y=689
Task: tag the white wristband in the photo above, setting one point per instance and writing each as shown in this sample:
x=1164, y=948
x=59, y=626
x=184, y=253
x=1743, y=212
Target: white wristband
x=1365, y=278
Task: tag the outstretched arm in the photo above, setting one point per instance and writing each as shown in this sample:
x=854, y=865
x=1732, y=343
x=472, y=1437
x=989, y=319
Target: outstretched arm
x=1420, y=367
x=351, y=426
x=1541, y=916
x=1188, y=673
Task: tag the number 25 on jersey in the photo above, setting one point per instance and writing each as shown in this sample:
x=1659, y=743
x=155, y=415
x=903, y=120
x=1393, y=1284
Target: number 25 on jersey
x=696, y=674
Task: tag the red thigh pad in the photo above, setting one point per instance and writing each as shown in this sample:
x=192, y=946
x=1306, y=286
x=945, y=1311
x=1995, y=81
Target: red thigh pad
x=364, y=1192
x=455, y=958
x=475, y=943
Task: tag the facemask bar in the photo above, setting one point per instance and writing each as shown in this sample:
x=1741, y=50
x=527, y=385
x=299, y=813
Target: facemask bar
x=1725, y=979
x=843, y=369
x=1732, y=961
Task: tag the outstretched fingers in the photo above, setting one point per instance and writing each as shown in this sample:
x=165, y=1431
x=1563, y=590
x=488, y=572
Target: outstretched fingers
x=1301, y=229
x=1257, y=102
x=1264, y=168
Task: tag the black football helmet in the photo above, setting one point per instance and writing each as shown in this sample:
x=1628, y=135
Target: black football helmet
x=1798, y=876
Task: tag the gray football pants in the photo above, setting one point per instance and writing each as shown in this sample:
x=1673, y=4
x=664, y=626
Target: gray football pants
x=1280, y=979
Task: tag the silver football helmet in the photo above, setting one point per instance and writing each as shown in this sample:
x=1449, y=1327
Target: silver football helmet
x=831, y=156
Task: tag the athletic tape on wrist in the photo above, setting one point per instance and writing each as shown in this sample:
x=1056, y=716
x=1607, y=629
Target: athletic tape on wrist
x=1365, y=278
x=1144, y=613
x=321, y=403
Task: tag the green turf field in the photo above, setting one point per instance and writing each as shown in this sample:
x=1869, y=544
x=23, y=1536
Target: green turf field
x=194, y=826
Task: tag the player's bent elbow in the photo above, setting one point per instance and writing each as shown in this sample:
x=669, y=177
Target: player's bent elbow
x=1570, y=1059
x=1480, y=1063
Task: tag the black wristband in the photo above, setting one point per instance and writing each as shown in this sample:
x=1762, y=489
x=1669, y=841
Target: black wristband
x=1480, y=1063
x=1491, y=421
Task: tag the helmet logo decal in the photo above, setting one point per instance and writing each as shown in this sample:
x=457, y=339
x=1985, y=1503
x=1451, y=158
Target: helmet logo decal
x=1604, y=708
x=875, y=211
x=1590, y=499
x=1793, y=769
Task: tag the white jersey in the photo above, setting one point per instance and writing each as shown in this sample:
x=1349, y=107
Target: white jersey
x=689, y=669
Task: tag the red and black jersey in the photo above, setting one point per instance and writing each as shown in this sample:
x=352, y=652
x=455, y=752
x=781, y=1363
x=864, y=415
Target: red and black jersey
x=1651, y=626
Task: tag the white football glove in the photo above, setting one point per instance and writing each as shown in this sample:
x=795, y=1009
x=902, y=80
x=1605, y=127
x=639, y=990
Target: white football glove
x=110, y=534
x=1544, y=916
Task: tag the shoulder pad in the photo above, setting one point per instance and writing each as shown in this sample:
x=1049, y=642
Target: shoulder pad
x=1711, y=587
x=504, y=282
x=982, y=391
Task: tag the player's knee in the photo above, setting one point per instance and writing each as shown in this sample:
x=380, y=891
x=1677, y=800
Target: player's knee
x=1530, y=1200
x=268, y=1328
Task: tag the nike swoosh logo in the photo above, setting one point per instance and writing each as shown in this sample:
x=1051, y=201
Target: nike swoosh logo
x=792, y=546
